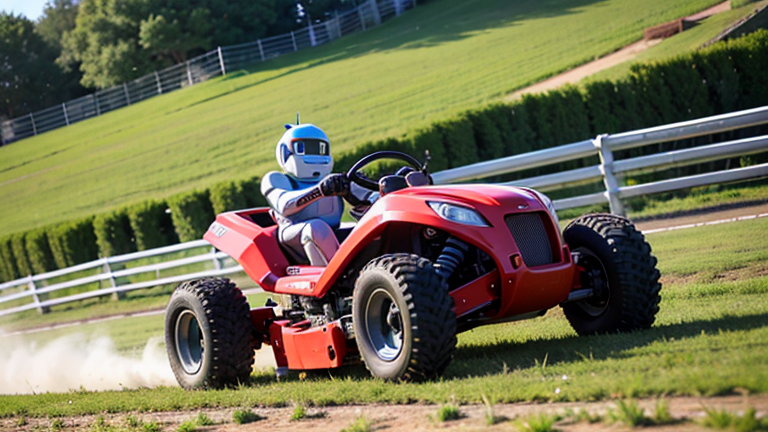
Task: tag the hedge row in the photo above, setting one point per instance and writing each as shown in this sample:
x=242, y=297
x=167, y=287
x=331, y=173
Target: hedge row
x=727, y=76
x=146, y=225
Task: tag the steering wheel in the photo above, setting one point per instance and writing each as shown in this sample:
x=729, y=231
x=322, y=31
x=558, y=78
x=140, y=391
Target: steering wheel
x=354, y=175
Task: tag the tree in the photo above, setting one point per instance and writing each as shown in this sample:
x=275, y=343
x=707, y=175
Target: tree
x=29, y=78
x=119, y=40
x=59, y=17
x=105, y=42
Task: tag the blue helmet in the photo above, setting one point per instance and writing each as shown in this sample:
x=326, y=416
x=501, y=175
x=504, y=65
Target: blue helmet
x=304, y=152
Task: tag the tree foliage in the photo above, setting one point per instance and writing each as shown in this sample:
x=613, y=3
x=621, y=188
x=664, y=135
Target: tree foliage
x=29, y=78
x=119, y=40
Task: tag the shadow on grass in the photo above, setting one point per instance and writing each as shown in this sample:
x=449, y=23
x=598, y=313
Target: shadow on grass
x=493, y=356
x=478, y=360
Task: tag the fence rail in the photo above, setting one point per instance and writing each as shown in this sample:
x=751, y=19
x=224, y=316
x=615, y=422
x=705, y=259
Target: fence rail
x=202, y=68
x=608, y=171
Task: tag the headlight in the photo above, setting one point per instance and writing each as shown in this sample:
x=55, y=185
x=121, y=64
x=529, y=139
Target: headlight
x=458, y=214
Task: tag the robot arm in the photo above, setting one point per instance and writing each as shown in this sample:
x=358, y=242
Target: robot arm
x=280, y=193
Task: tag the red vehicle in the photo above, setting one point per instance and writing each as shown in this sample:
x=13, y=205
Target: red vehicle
x=422, y=264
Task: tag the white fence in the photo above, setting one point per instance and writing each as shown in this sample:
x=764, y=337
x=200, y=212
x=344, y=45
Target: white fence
x=202, y=68
x=609, y=171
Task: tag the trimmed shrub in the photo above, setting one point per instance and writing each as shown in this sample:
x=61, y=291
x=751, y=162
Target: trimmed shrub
x=8, y=270
x=487, y=136
x=227, y=196
x=459, y=141
x=39, y=251
x=429, y=139
x=113, y=233
x=151, y=225
x=750, y=59
x=500, y=115
x=73, y=243
x=192, y=214
x=252, y=193
x=19, y=246
x=523, y=136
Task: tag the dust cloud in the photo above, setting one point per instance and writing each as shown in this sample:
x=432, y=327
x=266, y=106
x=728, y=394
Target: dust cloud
x=77, y=362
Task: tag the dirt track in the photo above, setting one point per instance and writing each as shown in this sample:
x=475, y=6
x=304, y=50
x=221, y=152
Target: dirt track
x=417, y=417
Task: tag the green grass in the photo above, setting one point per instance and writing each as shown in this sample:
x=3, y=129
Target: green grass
x=245, y=416
x=439, y=59
x=710, y=338
x=682, y=43
x=724, y=420
x=540, y=422
x=361, y=424
x=447, y=412
x=697, y=199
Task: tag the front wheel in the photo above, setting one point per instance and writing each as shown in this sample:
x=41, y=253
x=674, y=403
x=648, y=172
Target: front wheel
x=208, y=334
x=403, y=318
x=619, y=268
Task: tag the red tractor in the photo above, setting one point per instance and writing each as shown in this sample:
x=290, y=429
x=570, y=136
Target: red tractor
x=422, y=264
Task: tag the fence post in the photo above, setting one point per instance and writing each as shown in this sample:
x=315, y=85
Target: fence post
x=312, y=40
x=216, y=262
x=375, y=11
x=293, y=39
x=34, y=128
x=261, y=49
x=96, y=102
x=398, y=7
x=361, y=16
x=189, y=75
x=106, y=269
x=221, y=62
x=33, y=288
x=609, y=179
x=64, y=108
x=159, y=85
x=127, y=96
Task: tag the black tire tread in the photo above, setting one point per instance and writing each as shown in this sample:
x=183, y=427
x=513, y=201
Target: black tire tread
x=433, y=320
x=228, y=315
x=635, y=267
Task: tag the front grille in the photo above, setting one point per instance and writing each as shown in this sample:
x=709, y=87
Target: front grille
x=531, y=237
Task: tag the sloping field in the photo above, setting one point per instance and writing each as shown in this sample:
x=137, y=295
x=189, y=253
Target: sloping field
x=441, y=58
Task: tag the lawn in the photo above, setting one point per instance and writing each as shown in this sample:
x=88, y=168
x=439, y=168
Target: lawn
x=710, y=338
x=682, y=43
x=441, y=58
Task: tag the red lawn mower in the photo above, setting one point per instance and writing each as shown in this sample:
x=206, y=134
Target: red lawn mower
x=422, y=264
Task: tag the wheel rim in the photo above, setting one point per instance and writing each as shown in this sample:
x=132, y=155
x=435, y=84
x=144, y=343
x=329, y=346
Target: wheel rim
x=596, y=278
x=190, y=344
x=384, y=325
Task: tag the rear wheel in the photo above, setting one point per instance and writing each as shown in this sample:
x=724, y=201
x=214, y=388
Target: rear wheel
x=208, y=334
x=619, y=268
x=403, y=317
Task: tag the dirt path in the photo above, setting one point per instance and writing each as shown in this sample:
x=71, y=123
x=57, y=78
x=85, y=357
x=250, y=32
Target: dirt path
x=417, y=417
x=625, y=54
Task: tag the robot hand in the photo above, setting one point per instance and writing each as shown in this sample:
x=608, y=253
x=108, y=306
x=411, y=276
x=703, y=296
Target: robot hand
x=334, y=184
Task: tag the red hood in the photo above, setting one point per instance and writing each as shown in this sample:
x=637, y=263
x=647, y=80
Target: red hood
x=474, y=195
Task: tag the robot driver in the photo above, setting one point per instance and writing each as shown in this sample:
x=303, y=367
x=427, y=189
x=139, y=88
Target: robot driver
x=306, y=199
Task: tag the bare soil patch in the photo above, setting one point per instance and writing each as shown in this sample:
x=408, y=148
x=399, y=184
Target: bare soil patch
x=417, y=417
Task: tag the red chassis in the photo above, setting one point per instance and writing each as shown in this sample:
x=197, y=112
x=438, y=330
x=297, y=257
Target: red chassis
x=510, y=291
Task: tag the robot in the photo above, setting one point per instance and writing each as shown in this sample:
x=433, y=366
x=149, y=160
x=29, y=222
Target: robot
x=307, y=199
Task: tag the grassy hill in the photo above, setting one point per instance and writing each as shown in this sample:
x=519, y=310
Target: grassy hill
x=439, y=59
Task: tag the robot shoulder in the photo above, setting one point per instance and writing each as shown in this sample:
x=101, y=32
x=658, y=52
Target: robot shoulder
x=276, y=180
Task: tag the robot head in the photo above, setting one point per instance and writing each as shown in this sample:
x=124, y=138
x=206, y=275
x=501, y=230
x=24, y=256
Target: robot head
x=304, y=152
